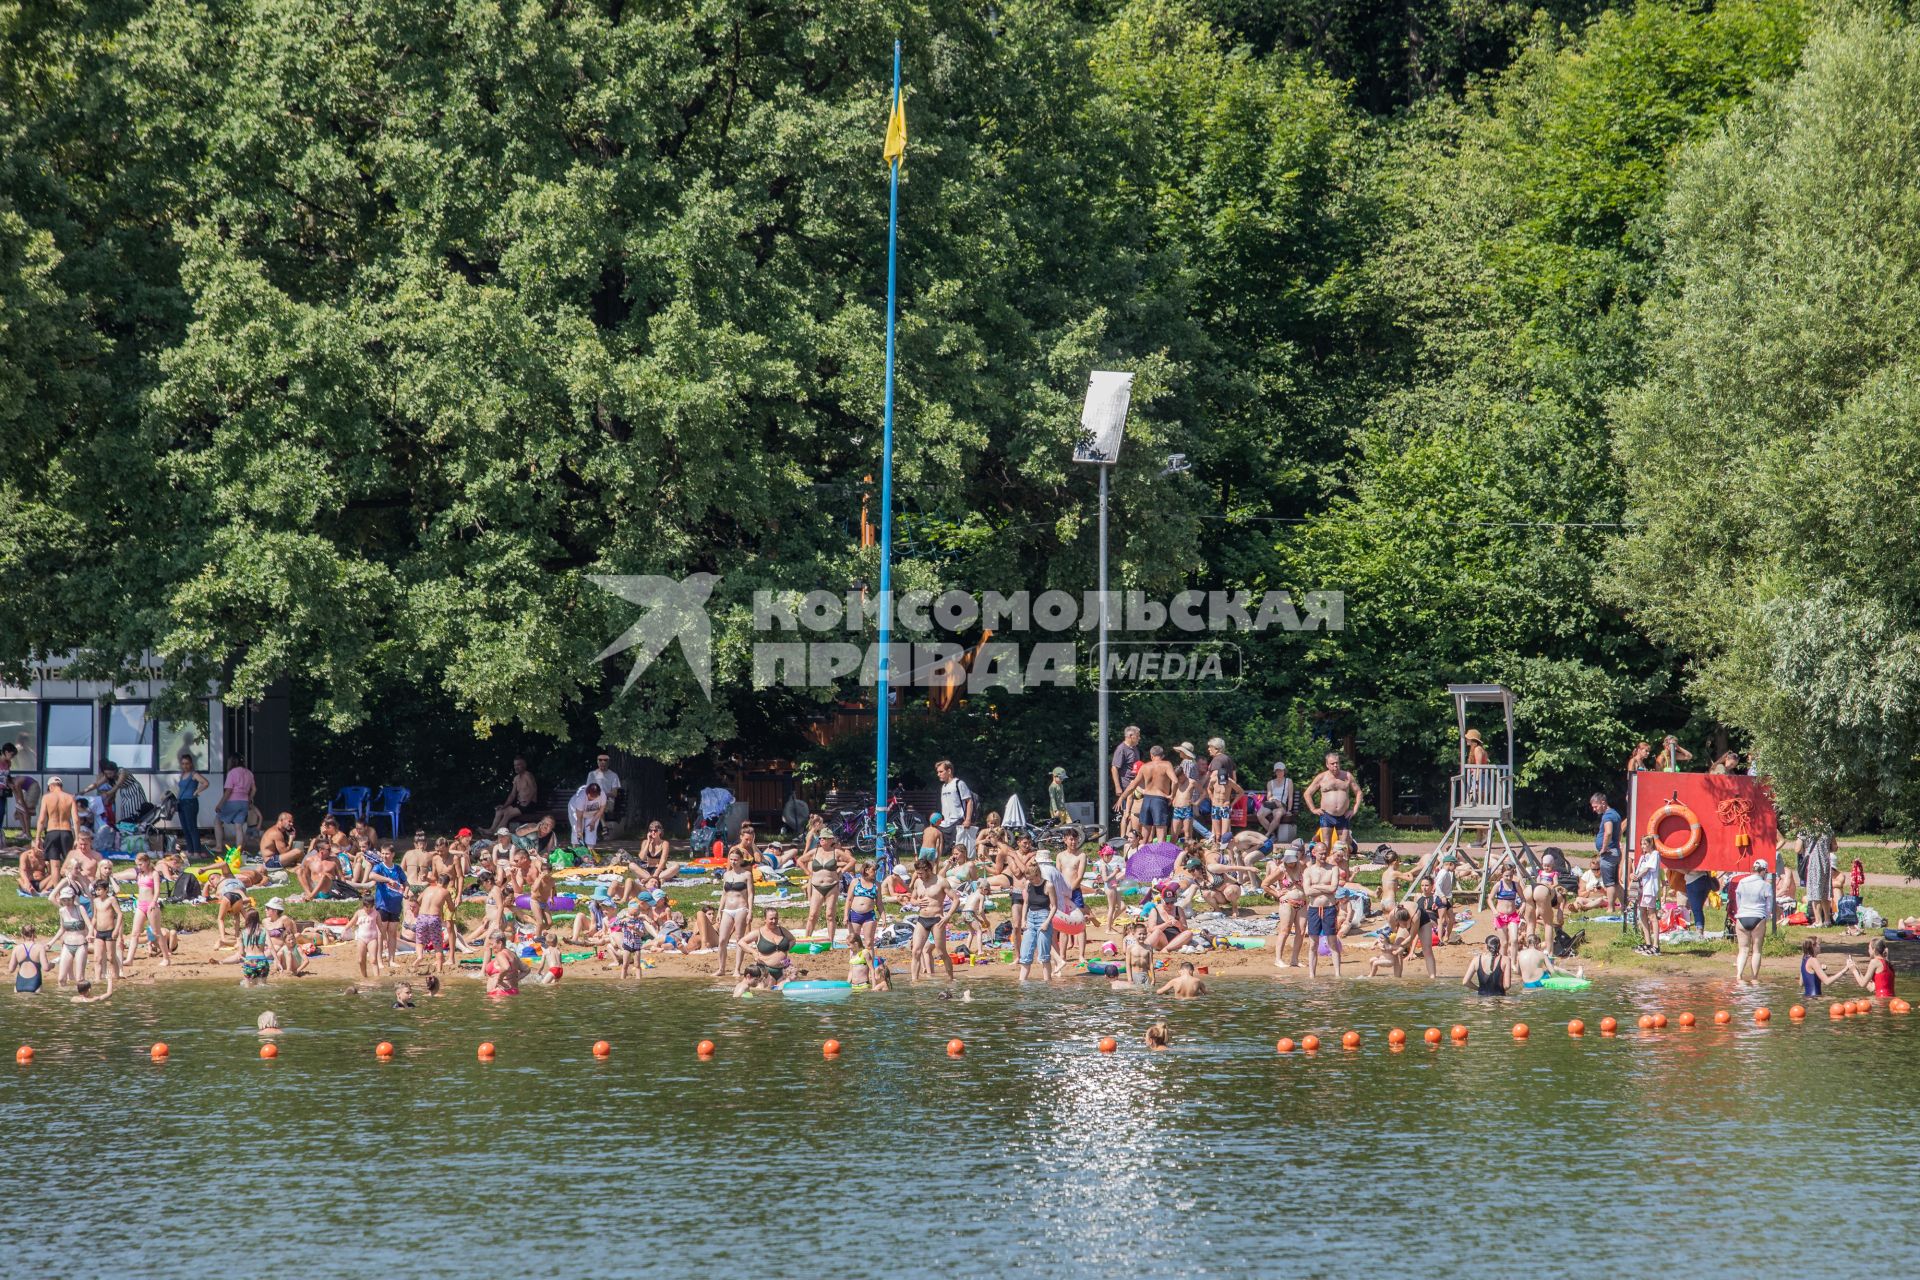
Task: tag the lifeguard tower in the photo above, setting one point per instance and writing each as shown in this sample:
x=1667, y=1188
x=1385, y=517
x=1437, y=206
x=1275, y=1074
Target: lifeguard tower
x=1481, y=798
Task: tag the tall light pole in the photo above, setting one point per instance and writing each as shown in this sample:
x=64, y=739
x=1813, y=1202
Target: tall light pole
x=1103, y=421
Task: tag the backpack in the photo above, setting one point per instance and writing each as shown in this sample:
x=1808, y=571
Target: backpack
x=1849, y=910
x=1567, y=944
x=185, y=888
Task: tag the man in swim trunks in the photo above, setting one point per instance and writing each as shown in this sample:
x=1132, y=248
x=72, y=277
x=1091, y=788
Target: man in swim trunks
x=36, y=873
x=54, y=824
x=1154, y=781
x=1321, y=881
x=1334, y=795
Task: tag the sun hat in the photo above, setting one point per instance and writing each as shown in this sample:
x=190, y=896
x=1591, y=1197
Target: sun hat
x=275, y=904
x=1473, y=735
x=1185, y=749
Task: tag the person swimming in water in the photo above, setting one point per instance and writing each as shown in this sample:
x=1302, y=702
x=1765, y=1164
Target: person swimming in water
x=1184, y=985
x=1491, y=973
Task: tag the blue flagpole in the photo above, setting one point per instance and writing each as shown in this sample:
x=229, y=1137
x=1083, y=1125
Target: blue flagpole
x=886, y=493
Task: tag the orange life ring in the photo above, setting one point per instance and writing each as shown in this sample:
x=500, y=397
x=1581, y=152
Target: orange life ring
x=1674, y=810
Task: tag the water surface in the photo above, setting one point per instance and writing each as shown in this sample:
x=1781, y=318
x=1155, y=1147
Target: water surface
x=1033, y=1152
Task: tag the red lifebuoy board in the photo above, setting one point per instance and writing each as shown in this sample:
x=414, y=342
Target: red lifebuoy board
x=1727, y=805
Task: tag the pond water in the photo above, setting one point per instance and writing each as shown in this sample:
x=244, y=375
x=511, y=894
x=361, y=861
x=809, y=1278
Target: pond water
x=1678, y=1150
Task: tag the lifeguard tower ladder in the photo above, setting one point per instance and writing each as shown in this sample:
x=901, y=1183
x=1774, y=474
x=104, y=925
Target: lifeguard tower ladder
x=1481, y=801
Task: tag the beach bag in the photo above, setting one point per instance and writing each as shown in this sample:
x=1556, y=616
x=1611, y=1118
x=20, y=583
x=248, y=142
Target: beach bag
x=1849, y=911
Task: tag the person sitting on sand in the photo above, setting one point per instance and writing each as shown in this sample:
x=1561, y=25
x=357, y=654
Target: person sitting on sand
x=1184, y=985
x=1166, y=921
x=1390, y=952
x=35, y=875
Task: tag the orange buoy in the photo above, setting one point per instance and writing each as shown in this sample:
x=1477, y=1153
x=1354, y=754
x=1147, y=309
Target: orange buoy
x=1284, y=1045
x=23, y=1055
x=1351, y=1040
x=1763, y=1014
x=956, y=1047
x=601, y=1049
x=1107, y=1044
x=1459, y=1034
x=1608, y=1026
x=1798, y=1012
x=1897, y=1005
x=159, y=1051
x=1659, y=1022
x=1686, y=1019
x=1433, y=1035
x=1836, y=1011
x=1310, y=1043
x=704, y=1048
x=1576, y=1028
x=1866, y=1006
x=1520, y=1031
x=831, y=1049
x=486, y=1051
x=269, y=1050
x=1396, y=1036
x=384, y=1049
x=1646, y=1022
x=1721, y=1017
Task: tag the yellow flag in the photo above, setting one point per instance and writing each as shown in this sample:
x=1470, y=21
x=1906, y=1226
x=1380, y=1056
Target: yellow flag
x=896, y=131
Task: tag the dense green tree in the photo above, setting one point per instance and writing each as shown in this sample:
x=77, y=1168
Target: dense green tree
x=1772, y=450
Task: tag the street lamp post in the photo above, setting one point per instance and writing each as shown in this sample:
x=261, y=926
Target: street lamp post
x=1103, y=421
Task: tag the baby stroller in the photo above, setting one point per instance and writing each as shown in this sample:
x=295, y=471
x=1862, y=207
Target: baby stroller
x=136, y=833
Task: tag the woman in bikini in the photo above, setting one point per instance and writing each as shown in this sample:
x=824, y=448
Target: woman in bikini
x=932, y=902
x=147, y=923
x=749, y=849
x=736, y=901
x=827, y=867
x=1282, y=883
x=655, y=853
x=772, y=943
x=863, y=906
x=27, y=962
x=1507, y=918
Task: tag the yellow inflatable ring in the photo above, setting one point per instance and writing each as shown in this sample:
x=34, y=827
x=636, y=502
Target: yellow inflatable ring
x=1685, y=847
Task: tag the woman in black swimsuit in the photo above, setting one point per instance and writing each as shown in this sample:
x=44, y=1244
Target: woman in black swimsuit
x=933, y=903
x=1491, y=973
x=772, y=943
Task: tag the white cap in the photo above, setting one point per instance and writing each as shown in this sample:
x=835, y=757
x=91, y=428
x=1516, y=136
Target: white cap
x=503, y=832
x=1759, y=865
x=275, y=904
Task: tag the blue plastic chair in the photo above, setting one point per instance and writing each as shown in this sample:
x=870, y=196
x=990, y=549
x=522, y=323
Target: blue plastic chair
x=350, y=803
x=387, y=805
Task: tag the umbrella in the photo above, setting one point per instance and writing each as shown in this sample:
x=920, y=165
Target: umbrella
x=1152, y=861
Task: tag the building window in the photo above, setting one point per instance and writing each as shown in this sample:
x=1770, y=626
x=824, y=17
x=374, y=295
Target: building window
x=130, y=736
x=69, y=738
x=17, y=726
x=181, y=738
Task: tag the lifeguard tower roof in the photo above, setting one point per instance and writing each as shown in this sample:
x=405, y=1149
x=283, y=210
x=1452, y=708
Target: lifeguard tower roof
x=1481, y=692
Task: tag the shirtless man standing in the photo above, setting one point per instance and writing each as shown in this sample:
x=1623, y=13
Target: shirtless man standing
x=53, y=826
x=1320, y=881
x=1334, y=794
x=1155, y=783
